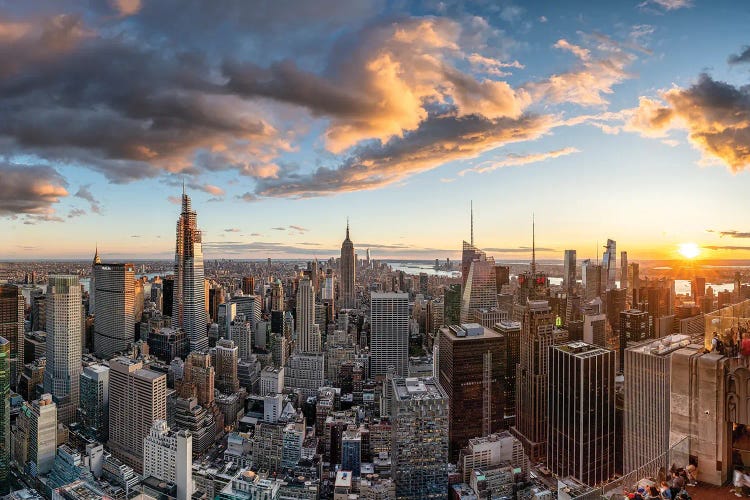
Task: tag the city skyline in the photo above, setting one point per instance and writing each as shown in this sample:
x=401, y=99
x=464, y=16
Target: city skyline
x=290, y=120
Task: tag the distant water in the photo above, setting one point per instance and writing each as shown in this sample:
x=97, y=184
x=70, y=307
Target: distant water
x=419, y=267
x=682, y=287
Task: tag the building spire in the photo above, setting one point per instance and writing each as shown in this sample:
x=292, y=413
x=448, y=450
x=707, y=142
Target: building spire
x=97, y=259
x=533, y=245
x=347, y=228
x=472, y=221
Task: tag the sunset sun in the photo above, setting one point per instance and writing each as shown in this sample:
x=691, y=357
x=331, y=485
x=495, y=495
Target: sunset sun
x=689, y=250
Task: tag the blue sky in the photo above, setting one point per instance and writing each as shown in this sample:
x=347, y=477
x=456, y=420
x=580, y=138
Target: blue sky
x=620, y=120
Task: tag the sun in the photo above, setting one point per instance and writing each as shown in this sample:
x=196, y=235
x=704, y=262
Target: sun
x=689, y=250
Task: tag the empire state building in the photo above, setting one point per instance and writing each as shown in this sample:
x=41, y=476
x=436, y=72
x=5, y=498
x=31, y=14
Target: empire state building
x=348, y=292
x=189, y=302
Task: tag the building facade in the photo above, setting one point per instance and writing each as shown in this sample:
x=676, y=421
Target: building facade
x=389, y=333
x=114, y=295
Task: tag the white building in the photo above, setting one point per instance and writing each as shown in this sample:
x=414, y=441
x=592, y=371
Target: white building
x=271, y=380
x=113, y=289
x=389, y=333
x=168, y=456
x=308, y=337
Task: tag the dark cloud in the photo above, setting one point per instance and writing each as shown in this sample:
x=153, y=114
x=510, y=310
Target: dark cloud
x=232, y=230
x=715, y=114
x=299, y=229
x=84, y=193
x=76, y=212
x=248, y=197
x=441, y=138
x=742, y=57
x=30, y=189
x=279, y=228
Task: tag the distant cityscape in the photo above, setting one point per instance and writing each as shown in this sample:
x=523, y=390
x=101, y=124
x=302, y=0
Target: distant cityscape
x=351, y=378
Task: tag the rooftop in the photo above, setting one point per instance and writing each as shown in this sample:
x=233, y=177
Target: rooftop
x=581, y=349
x=417, y=388
x=662, y=346
x=469, y=331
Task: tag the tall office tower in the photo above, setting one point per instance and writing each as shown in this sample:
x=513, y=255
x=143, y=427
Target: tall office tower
x=93, y=412
x=12, y=305
x=168, y=456
x=277, y=296
x=41, y=425
x=595, y=274
x=227, y=355
x=480, y=289
x=249, y=305
x=581, y=441
x=225, y=314
x=248, y=285
x=329, y=286
x=167, y=285
x=569, y=270
x=61, y=375
x=609, y=265
x=419, y=412
x=538, y=333
x=4, y=415
x=242, y=334
x=38, y=310
x=189, y=301
x=348, y=296
x=308, y=338
x=502, y=277
x=615, y=302
x=698, y=289
x=471, y=368
x=624, y=270
x=137, y=398
x=389, y=333
x=114, y=294
x=595, y=329
x=634, y=280
x=452, y=301
x=511, y=331
x=351, y=451
x=647, y=400
x=635, y=326
x=469, y=253
x=215, y=299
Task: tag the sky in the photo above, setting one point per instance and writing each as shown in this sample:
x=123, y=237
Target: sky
x=627, y=120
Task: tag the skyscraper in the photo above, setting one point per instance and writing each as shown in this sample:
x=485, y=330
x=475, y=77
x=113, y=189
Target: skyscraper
x=41, y=424
x=168, y=456
x=647, y=400
x=63, y=370
x=308, y=333
x=94, y=408
x=389, y=333
x=189, y=301
x=92, y=282
x=569, y=270
x=137, y=398
x=538, y=333
x=348, y=297
x=480, y=288
x=609, y=265
x=511, y=331
x=114, y=294
x=12, y=305
x=471, y=370
x=227, y=355
x=581, y=440
x=624, y=269
x=4, y=415
x=452, y=301
x=419, y=412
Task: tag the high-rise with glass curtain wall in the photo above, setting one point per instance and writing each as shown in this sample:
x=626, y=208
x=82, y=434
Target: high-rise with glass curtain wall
x=12, y=305
x=189, y=301
x=63, y=370
x=113, y=289
x=4, y=415
x=389, y=333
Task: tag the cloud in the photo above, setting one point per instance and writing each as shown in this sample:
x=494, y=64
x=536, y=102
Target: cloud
x=30, y=189
x=542, y=19
x=207, y=188
x=668, y=4
x=84, y=193
x=174, y=200
x=442, y=138
x=516, y=159
x=126, y=7
x=599, y=69
x=716, y=247
x=279, y=228
x=299, y=229
x=731, y=233
x=76, y=212
x=255, y=234
x=742, y=57
x=247, y=197
x=716, y=116
x=232, y=230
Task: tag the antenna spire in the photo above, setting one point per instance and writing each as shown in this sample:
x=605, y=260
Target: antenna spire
x=472, y=221
x=347, y=228
x=533, y=244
